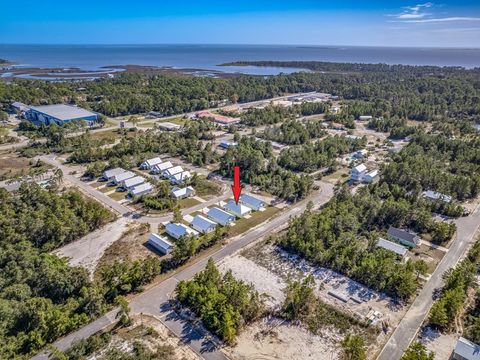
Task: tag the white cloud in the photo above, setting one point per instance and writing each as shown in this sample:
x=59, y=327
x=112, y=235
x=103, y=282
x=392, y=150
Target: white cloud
x=414, y=12
x=440, y=20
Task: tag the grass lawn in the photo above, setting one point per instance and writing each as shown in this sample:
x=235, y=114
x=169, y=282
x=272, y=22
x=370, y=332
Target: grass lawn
x=107, y=189
x=97, y=184
x=188, y=202
x=242, y=225
x=178, y=120
x=341, y=174
x=117, y=195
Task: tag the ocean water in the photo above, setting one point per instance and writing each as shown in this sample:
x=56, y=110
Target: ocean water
x=208, y=57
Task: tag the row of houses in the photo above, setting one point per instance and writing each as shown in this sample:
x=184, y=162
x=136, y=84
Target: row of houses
x=128, y=181
x=205, y=224
x=176, y=174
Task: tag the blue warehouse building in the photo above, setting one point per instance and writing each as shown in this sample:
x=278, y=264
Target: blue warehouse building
x=59, y=114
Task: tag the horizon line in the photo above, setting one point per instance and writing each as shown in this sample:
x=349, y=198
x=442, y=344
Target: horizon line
x=245, y=44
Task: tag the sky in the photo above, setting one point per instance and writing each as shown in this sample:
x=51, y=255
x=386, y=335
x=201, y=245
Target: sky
x=371, y=23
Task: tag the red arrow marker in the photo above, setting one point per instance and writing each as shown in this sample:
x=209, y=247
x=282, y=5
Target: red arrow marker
x=236, y=188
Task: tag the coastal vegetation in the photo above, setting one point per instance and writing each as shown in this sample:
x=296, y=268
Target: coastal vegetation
x=224, y=304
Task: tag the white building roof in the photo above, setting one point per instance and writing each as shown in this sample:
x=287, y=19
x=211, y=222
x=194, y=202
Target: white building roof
x=181, y=192
x=251, y=201
x=63, y=112
x=467, y=349
x=161, y=243
x=141, y=189
x=123, y=176
x=220, y=216
x=163, y=166
x=203, y=224
x=153, y=162
x=360, y=168
x=178, y=230
x=237, y=209
x=390, y=245
x=112, y=172
x=174, y=170
x=434, y=195
x=372, y=174
x=182, y=176
x=134, y=181
x=169, y=126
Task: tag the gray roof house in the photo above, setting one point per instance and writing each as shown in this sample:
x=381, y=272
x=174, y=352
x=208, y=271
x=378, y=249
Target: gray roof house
x=130, y=183
x=403, y=237
x=141, y=189
x=109, y=174
x=203, y=225
x=158, y=168
x=180, y=178
x=160, y=243
x=172, y=171
x=182, y=193
x=466, y=350
x=148, y=164
x=221, y=217
x=392, y=246
x=238, y=210
x=436, y=196
x=119, y=178
x=252, y=202
x=177, y=230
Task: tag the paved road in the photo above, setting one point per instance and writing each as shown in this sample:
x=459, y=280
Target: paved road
x=84, y=187
x=413, y=319
x=155, y=301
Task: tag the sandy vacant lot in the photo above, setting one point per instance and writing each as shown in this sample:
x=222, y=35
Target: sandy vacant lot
x=268, y=270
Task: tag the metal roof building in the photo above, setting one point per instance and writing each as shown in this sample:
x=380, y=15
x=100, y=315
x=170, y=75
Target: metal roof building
x=391, y=246
x=109, y=174
x=238, y=210
x=252, y=202
x=404, y=237
x=132, y=182
x=466, y=350
x=168, y=126
x=157, y=169
x=147, y=165
x=203, y=225
x=434, y=195
x=182, y=193
x=172, y=171
x=221, y=217
x=177, y=230
x=141, y=189
x=180, y=177
x=160, y=243
x=117, y=179
x=59, y=114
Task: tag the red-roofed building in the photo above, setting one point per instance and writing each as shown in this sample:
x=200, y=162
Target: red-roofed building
x=219, y=119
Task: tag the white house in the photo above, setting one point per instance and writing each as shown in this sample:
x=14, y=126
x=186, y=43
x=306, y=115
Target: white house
x=365, y=117
x=182, y=193
x=466, y=350
x=130, y=183
x=398, y=249
x=159, y=168
x=436, y=196
x=177, y=230
x=172, y=171
x=371, y=176
x=168, y=126
x=109, y=174
x=203, y=225
x=180, y=178
x=220, y=217
x=238, y=210
x=147, y=165
x=252, y=202
x=358, y=172
x=118, y=179
x=160, y=243
x=360, y=154
x=141, y=189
